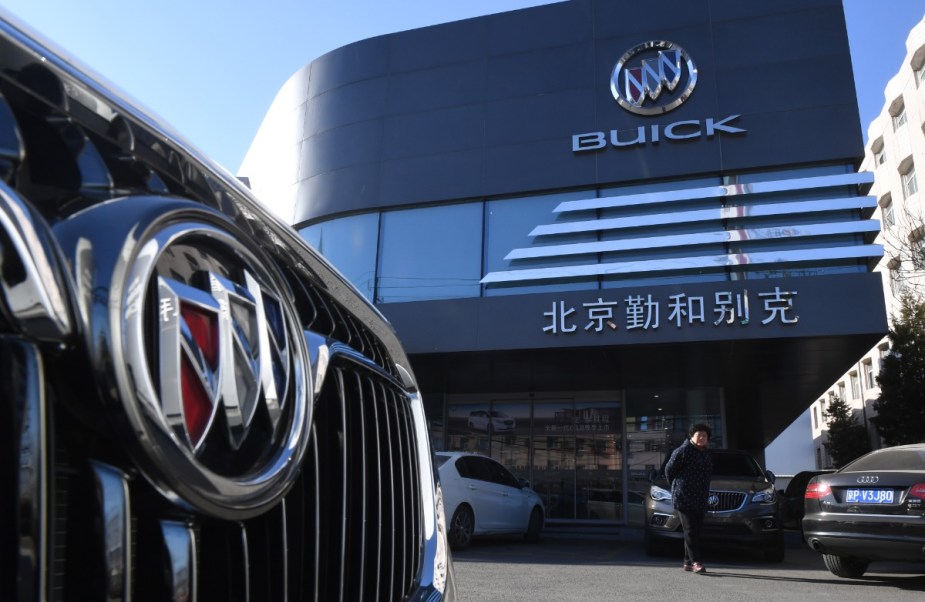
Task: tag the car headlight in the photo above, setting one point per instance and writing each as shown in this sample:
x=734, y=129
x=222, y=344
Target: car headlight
x=768, y=496
x=659, y=494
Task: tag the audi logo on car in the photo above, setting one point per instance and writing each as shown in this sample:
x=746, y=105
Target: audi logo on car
x=653, y=78
x=868, y=479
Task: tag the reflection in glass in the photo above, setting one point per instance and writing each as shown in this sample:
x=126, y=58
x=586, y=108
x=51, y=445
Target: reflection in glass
x=656, y=422
x=431, y=253
x=572, y=450
x=508, y=226
x=349, y=243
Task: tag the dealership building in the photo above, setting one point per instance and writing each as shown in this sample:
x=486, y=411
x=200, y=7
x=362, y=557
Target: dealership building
x=593, y=223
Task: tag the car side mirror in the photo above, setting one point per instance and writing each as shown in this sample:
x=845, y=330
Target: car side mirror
x=770, y=476
x=524, y=483
x=653, y=474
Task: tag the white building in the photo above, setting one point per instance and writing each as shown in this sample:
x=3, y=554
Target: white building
x=895, y=148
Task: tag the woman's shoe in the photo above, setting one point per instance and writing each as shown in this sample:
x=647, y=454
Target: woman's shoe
x=698, y=568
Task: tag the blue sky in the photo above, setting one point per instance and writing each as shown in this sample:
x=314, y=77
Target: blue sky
x=211, y=68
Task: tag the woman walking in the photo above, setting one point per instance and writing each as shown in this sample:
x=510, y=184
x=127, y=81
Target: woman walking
x=689, y=470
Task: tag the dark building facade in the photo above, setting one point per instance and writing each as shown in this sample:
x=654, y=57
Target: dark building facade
x=593, y=222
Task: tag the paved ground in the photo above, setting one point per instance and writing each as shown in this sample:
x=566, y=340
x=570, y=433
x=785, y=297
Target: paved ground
x=562, y=568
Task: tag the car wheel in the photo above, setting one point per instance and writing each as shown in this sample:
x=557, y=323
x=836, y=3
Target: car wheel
x=461, y=528
x=534, y=526
x=652, y=546
x=844, y=566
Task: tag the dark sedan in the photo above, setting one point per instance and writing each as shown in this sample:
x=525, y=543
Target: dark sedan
x=872, y=509
x=792, y=502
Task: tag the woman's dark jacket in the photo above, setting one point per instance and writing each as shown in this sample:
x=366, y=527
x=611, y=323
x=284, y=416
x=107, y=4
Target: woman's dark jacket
x=689, y=471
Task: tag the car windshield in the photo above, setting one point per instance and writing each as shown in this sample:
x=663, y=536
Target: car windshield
x=735, y=465
x=889, y=459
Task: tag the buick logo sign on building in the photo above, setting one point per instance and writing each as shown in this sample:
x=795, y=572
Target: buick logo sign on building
x=653, y=78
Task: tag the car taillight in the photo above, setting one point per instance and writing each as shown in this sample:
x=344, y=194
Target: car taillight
x=817, y=491
x=918, y=490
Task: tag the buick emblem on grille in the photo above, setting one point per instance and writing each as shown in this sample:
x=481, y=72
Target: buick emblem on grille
x=646, y=79
x=231, y=349
x=713, y=500
x=207, y=358
x=868, y=479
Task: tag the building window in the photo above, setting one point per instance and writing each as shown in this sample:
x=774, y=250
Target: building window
x=899, y=118
x=867, y=368
x=883, y=350
x=855, y=386
x=897, y=280
x=886, y=210
x=841, y=391
x=917, y=247
x=919, y=75
x=880, y=157
x=816, y=417
x=350, y=244
x=910, y=186
x=430, y=253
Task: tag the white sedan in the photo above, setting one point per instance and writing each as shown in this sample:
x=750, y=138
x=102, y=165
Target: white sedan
x=484, y=498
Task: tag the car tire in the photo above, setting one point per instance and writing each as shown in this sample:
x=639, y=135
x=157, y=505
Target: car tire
x=462, y=527
x=534, y=526
x=845, y=566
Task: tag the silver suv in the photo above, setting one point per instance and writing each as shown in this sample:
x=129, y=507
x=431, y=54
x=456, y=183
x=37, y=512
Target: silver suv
x=743, y=508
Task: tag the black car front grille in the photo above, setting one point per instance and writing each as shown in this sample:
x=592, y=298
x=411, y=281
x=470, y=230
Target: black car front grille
x=351, y=528
x=726, y=501
x=363, y=462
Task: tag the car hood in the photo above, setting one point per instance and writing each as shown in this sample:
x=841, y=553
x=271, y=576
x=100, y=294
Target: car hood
x=727, y=483
x=739, y=483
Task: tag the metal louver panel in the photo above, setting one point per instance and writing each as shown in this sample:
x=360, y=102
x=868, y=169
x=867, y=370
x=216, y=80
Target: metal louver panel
x=801, y=223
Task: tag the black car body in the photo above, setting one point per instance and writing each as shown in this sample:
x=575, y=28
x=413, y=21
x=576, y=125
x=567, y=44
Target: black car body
x=743, y=508
x=193, y=403
x=871, y=509
x=792, y=500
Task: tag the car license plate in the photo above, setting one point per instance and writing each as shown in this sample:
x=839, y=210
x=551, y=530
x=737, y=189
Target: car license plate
x=869, y=496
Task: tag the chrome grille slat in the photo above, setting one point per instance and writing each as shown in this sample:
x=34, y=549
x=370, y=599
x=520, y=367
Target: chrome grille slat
x=28, y=480
x=390, y=496
x=728, y=501
x=365, y=497
x=115, y=513
x=181, y=547
x=362, y=422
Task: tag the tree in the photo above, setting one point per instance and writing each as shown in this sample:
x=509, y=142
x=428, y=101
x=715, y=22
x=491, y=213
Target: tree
x=901, y=405
x=903, y=239
x=847, y=439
